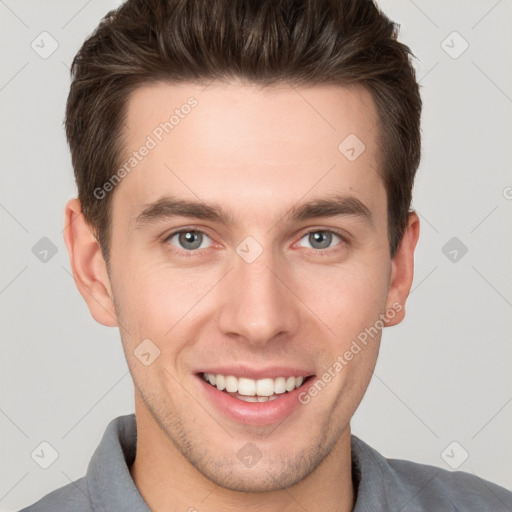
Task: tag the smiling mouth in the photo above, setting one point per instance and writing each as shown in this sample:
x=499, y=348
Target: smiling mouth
x=255, y=390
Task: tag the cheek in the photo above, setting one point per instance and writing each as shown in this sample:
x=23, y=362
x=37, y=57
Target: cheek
x=153, y=307
x=348, y=298
x=157, y=300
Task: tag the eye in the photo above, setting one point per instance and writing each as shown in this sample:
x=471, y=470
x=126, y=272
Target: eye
x=321, y=239
x=188, y=239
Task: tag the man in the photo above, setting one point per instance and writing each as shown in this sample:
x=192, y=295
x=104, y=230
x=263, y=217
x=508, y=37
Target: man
x=244, y=173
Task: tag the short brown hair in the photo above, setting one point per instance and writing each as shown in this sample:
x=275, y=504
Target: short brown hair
x=301, y=42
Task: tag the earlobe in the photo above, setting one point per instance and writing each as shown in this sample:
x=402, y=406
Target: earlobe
x=402, y=272
x=88, y=266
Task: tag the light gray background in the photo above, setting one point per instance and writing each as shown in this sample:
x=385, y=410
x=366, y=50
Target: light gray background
x=443, y=375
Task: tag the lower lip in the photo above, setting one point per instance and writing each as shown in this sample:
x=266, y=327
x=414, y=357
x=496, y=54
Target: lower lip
x=254, y=413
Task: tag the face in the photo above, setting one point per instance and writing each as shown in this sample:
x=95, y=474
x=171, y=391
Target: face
x=248, y=245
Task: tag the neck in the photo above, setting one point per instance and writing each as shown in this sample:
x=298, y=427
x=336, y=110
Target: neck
x=169, y=483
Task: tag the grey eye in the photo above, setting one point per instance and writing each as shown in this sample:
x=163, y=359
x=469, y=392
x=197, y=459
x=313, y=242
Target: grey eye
x=320, y=239
x=189, y=239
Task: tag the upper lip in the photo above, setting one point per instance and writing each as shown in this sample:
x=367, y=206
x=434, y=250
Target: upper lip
x=248, y=372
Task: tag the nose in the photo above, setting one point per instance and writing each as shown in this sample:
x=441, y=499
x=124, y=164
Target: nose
x=259, y=304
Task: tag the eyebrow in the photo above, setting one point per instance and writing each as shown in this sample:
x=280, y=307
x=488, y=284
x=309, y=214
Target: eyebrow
x=331, y=206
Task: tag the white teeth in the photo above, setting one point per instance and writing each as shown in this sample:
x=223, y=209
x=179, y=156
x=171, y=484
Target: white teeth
x=280, y=385
x=256, y=398
x=246, y=387
x=261, y=390
x=265, y=387
x=247, y=398
x=220, y=382
x=290, y=383
x=231, y=384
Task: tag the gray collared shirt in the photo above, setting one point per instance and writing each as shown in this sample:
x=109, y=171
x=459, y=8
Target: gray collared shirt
x=381, y=484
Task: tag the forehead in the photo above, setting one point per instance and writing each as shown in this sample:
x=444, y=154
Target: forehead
x=226, y=140
x=222, y=109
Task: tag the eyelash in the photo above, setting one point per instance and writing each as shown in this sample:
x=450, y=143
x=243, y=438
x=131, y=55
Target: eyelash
x=189, y=254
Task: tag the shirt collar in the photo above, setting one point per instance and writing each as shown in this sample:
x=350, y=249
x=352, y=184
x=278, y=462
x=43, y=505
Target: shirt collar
x=111, y=486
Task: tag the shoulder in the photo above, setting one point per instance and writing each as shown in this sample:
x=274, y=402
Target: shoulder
x=408, y=485
x=431, y=486
x=72, y=497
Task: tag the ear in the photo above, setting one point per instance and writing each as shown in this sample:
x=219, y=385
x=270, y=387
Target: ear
x=88, y=266
x=402, y=271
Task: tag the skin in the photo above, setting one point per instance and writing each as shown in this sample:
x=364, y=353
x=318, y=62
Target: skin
x=257, y=153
